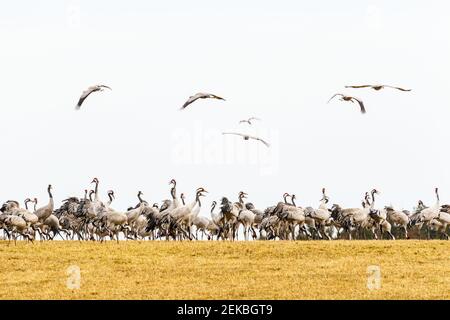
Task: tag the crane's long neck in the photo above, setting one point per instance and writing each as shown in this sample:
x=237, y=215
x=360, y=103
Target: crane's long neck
x=437, y=198
x=197, y=201
x=26, y=205
x=293, y=201
x=173, y=192
x=96, y=190
x=140, y=198
x=373, y=200
x=110, y=199
x=50, y=195
x=366, y=201
x=35, y=205
x=285, y=198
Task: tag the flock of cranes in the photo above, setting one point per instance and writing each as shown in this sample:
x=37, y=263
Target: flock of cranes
x=89, y=218
x=376, y=87
x=203, y=95
x=191, y=99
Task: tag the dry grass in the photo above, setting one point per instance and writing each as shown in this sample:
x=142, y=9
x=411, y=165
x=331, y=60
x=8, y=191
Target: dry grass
x=224, y=270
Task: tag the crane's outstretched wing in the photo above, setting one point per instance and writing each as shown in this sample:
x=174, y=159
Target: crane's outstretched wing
x=189, y=101
x=357, y=87
x=215, y=97
x=235, y=133
x=361, y=105
x=84, y=95
x=263, y=141
x=87, y=92
x=200, y=95
x=398, y=88
x=337, y=94
x=246, y=137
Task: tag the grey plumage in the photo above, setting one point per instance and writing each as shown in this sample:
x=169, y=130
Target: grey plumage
x=200, y=95
x=247, y=137
x=351, y=99
x=249, y=120
x=377, y=87
x=88, y=91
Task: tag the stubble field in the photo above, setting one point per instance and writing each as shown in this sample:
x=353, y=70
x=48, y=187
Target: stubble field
x=225, y=270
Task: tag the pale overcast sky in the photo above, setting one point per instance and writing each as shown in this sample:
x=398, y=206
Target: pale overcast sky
x=278, y=60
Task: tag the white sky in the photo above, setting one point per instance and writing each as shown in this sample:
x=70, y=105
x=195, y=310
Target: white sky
x=278, y=60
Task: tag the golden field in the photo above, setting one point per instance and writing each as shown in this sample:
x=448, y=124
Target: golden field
x=225, y=270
